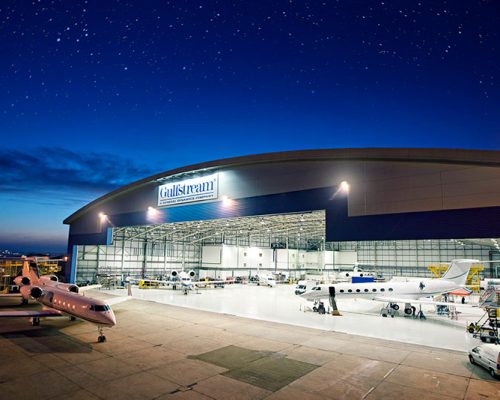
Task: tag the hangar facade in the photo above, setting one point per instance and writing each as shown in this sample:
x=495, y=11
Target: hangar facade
x=289, y=212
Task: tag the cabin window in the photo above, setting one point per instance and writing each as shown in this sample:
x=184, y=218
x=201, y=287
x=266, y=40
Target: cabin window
x=341, y=290
x=382, y=290
x=358, y=290
x=374, y=290
x=390, y=289
x=366, y=290
x=350, y=290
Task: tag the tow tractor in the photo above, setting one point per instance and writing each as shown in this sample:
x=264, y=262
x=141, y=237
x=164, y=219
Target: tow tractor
x=319, y=307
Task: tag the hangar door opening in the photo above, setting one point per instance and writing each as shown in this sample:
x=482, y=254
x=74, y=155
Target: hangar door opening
x=292, y=245
x=287, y=244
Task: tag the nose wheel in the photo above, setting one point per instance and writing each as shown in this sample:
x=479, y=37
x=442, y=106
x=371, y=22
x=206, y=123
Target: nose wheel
x=101, y=338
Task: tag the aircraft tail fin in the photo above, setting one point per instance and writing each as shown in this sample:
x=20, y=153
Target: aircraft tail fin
x=30, y=273
x=458, y=270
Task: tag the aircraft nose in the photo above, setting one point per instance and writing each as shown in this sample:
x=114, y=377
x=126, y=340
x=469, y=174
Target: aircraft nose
x=111, y=318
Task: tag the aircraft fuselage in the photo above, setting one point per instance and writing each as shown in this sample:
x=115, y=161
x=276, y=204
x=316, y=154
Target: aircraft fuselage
x=407, y=290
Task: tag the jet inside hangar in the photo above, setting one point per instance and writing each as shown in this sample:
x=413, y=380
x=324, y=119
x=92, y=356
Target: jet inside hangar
x=292, y=246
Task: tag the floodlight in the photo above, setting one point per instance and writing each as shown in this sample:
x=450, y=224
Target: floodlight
x=344, y=186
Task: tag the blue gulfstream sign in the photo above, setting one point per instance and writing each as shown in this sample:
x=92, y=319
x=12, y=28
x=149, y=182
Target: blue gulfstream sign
x=190, y=190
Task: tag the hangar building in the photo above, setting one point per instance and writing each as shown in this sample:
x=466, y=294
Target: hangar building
x=397, y=211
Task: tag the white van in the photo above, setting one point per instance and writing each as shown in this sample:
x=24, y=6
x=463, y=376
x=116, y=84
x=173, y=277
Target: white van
x=301, y=287
x=487, y=356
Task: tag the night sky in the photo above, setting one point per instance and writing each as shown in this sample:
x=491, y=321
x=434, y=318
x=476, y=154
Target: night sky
x=96, y=94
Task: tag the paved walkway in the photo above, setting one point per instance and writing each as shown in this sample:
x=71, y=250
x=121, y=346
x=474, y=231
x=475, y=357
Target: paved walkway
x=160, y=351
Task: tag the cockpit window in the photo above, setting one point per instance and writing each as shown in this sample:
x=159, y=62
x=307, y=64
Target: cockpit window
x=97, y=307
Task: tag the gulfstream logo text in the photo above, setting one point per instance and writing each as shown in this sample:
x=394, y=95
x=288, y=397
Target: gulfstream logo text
x=190, y=190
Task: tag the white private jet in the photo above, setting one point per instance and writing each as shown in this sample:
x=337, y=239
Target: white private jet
x=348, y=275
x=395, y=292
x=184, y=280
x=60, y=299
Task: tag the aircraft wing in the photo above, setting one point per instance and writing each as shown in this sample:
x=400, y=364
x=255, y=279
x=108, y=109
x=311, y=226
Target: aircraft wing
x=116, y=300
x=208, y=283
x=82, y=289
x=421, y=301
x=155, y=281
x=30, y=313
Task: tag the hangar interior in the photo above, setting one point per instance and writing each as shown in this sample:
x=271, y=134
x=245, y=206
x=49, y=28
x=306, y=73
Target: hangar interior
x=291, y=244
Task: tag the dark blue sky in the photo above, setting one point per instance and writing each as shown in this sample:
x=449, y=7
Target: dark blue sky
x=95, y=94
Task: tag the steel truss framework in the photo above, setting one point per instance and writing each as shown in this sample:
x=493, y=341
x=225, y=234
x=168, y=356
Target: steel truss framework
x=300, y=230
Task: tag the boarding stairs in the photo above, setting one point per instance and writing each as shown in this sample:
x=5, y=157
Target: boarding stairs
x=486, y=328
x=490, y=298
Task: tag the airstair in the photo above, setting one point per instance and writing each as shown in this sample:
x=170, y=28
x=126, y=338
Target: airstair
x=486, y=328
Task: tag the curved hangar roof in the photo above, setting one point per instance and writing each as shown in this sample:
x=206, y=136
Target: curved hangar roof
x=382, y=180
x=394, y=193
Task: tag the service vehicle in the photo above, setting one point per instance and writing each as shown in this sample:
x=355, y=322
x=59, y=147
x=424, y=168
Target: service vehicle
x=487, y=356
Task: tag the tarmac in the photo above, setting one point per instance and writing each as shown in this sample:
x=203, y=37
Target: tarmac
x=161, y=351
x=359, y=316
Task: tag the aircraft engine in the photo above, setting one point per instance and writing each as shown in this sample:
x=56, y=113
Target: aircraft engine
x=174, y=273
x=25, y=280
x=36, y=292
x=191, y=274
x=73, y=288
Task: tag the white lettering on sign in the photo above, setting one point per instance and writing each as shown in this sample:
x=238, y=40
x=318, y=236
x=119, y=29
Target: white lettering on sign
x=189, y=190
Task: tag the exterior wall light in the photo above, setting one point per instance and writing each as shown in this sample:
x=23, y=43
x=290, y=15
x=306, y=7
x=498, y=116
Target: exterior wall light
x=226, y=201
x=344, y=187
x=152, y=211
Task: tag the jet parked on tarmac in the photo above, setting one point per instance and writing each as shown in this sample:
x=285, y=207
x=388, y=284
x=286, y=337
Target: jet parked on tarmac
x=408, y=293
x=59, y=299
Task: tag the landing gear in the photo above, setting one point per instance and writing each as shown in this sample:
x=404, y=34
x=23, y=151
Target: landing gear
x=394, y=306
x=35, y=321
x=410, y=310
x=101, y=338
x=388, y=311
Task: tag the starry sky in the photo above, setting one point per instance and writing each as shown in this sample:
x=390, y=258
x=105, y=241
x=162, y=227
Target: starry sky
x=96, y=94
